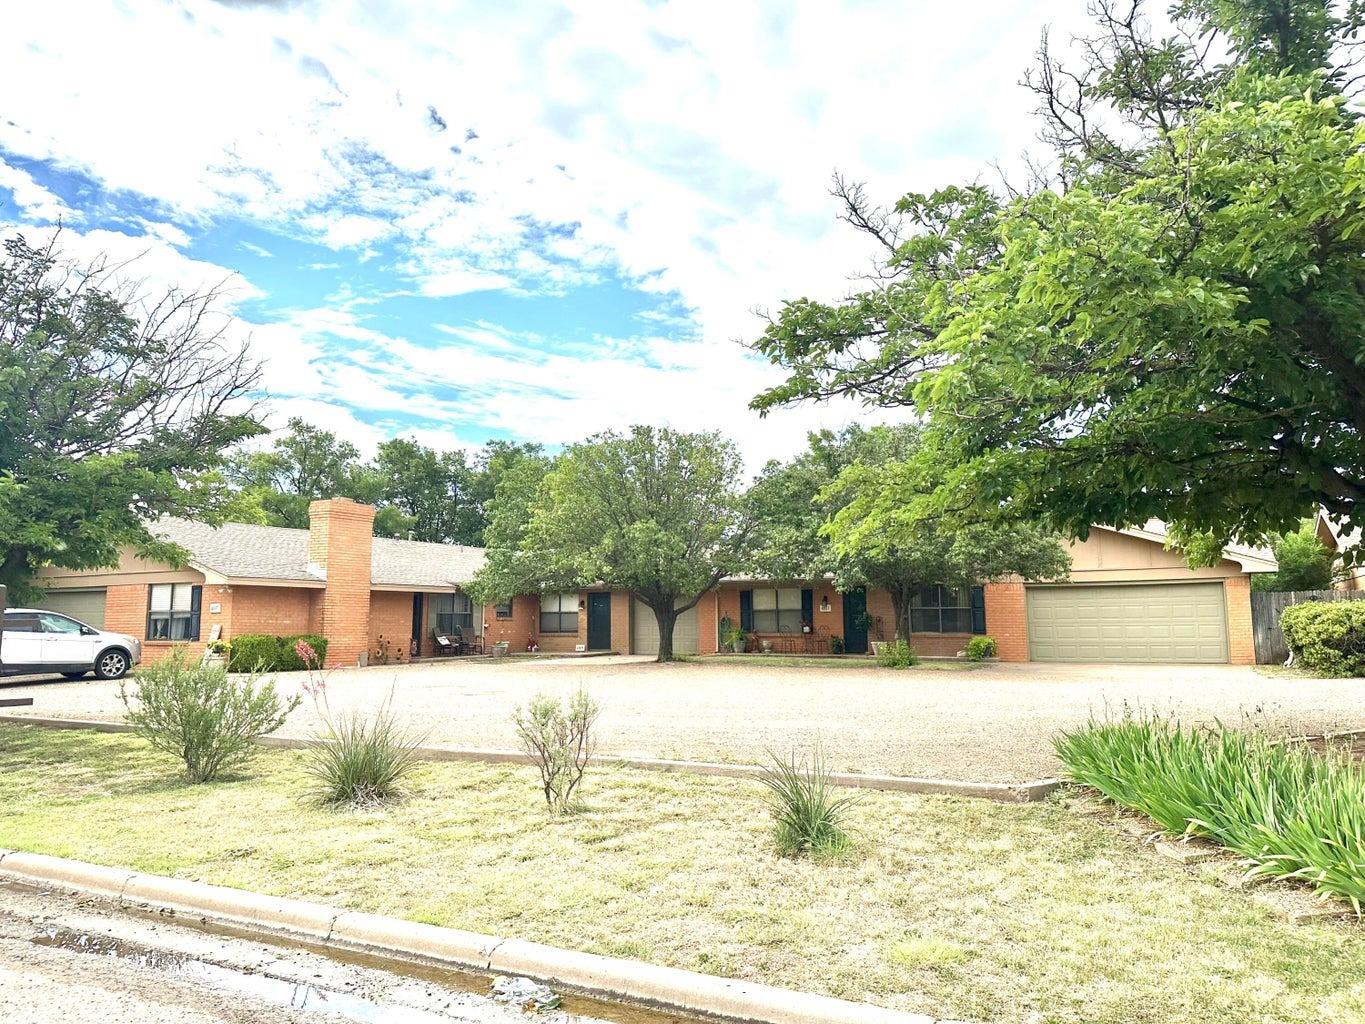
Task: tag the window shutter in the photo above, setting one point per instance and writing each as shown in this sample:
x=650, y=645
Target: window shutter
x=978, y=609
x=148, y=634
x=196, y=600
x=808, y=606
x=746, y=610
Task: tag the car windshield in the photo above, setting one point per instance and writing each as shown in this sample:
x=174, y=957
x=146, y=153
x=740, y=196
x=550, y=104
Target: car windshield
x=54, y=623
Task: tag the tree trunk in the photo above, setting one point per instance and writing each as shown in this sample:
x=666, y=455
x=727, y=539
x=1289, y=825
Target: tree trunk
x=900, y=605
x=666, y=620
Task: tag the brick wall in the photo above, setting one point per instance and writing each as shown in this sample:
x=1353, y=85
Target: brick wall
x=518, y=629
x=1007, y=620
x=620, y=621
x=277, y=611
x=883, y=615
x=707, y=619
x=1237, y=598
x=342, y=532
x=391, y=620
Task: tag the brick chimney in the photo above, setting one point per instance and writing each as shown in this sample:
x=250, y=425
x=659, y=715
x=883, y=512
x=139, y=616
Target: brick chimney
x=340, y=538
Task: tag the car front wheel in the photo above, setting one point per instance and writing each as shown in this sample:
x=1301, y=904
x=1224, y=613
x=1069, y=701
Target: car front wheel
x=112, y=664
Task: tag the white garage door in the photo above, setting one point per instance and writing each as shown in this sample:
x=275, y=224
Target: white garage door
x=1128, y=622
x=86, y=605
x=646, y=631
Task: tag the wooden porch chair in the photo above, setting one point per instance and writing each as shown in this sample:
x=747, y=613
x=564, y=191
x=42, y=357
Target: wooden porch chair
x=444, y=644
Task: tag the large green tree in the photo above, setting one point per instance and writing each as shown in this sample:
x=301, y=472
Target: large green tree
x=838, y=507
x=1167, y=321
x=116, y=405
x=1305, y=562
x=657, y=512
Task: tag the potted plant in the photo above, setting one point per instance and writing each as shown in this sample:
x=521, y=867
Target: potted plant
x=737, y=640
x=216, y=653
x=766, y=646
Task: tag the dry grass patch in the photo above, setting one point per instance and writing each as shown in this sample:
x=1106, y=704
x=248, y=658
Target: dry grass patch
x=957, y=908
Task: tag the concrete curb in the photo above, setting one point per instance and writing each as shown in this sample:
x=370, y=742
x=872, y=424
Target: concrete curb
x=664, y=987
x=1001, y=792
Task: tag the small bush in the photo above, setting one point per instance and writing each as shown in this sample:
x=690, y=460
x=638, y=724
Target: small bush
x=559, y=739
x=196, y=713
x=836, y=644
x=1327, y=636
x=897, y=654
x=362, y=759
x=808, y=817
x=980, y=647
x=262, y=652
x=1291, y=812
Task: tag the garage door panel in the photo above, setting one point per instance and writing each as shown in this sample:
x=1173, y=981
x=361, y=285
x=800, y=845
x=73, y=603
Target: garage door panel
x=645, y=631
x=85, y=605
x=1132, y=622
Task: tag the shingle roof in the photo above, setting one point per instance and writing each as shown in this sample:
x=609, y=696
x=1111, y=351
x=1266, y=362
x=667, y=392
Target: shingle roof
x=415, y=563
x=238, y=550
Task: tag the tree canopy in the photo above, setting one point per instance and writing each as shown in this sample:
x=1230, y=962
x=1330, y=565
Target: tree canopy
x=655, y=511
x=418, y=492
x=116, y=405
x=838, y=508
x=1305, y=563
x=1167, y=321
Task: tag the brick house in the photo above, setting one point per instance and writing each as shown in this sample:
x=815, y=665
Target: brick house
x=375, y=599
x=382, y=600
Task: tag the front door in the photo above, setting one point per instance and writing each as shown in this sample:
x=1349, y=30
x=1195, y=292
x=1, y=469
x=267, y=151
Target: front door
x=599, y=622
x=855, y=621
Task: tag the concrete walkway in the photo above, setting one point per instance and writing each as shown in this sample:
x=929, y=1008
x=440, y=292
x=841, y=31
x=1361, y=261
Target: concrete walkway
x=988, y=724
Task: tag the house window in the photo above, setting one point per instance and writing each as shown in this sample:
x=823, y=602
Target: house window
x=559, y=613
x=449, y=611
x=173, y=611
x=503, y=609
x=777, y=611
x=939, y=609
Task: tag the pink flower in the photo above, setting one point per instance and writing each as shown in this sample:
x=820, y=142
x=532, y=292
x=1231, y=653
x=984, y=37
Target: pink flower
x=305, y=652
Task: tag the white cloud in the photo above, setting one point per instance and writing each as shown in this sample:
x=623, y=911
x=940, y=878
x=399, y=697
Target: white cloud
x=34, y=201
x=686, y=144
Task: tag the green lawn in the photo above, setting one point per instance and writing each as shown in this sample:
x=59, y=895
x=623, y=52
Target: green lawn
x=959, y=908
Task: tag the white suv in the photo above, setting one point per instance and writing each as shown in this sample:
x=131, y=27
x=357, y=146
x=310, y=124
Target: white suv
x=35, y=641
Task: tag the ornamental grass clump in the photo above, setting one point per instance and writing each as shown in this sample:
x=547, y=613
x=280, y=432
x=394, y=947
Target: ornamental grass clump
x=1290, y=811
x=357, y=759
x=808, y=816
x=559, y=739
x=198, y=714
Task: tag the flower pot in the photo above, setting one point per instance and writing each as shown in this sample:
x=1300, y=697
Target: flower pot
x=767, y=646
x=737, y=646
x=878, y=646
x=214, y=660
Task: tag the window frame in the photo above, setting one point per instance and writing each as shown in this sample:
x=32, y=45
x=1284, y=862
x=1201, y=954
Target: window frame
x=793, y=617
x=553, y=620
x=927, y=612
x=502, y=610
x=171, y=615
x=445, y=617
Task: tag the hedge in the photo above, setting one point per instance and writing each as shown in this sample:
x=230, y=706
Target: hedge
x=261, y=652
x=1327, y=636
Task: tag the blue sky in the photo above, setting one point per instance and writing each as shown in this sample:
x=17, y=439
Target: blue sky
x=525, y=220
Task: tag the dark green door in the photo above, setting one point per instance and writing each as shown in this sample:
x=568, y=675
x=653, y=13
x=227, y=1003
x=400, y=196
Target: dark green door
x=855, y=621
x=599, y=622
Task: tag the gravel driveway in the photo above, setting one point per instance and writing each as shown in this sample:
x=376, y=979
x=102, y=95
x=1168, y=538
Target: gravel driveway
x=992, y=723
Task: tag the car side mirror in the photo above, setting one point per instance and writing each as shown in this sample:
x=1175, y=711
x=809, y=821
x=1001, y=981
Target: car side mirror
x=89, y=631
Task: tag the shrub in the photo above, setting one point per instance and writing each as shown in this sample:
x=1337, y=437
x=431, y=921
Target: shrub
x=262, y=652
x=1327, y=636
x=980, y=647
x=1291, y=812
x=836, y=644
x=559, y=739
x=808, y=817
x=362, y=759
x=897, y=654
x=196, y=713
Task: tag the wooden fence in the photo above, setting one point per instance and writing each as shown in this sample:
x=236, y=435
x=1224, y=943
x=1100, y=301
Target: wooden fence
x=1265, y=618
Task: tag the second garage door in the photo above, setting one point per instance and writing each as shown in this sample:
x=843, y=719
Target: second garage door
x=646, y=631
x=1147, y=622
x=86, y=605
